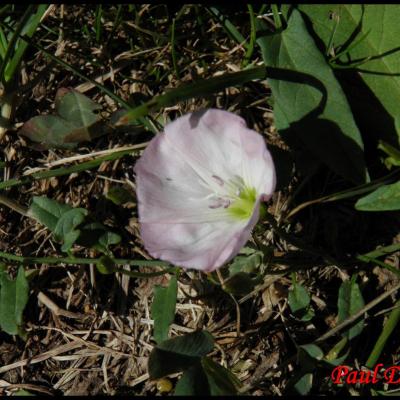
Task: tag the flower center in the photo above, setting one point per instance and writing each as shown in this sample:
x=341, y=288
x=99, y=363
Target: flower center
x=235, y=196
x=242, y=207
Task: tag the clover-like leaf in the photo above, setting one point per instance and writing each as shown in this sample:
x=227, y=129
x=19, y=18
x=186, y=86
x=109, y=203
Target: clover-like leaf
x=47, y=211
x=65, y=230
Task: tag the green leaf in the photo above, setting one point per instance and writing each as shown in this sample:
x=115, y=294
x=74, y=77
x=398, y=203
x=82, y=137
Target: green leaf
x=179, y=354
x=378, y=24
x=193, y=382
x=65, y=230
x=304, y=384
x=332, y=357
x=13, y=299
x=350, y=301
x=247, y=264
x=394, y=154
x=241, y=283
x=308, y=356
x=385, y=198
x=47, y=211
x=243, y=275
x=61, y=219
x=119, y=195
x=163, y=309
x=221, y=381
x=108, y=239
x=207, y=378
x=97, y=236
x=75, y=122
x=310, y=107
x=22, y=392
x=106, y=266
x=313, y=351
x=28, y=29
x=299, y=302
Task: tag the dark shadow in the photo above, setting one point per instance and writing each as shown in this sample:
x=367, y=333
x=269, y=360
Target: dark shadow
x=327, y=143
x=316, y=137
x=374, y=122
x=283, y=162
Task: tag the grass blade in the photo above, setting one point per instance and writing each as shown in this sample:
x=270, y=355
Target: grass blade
x=64, y=171
x=228, y=26
x=202, y=87
x=17, y=31
x=29, y=30
x=387, y=330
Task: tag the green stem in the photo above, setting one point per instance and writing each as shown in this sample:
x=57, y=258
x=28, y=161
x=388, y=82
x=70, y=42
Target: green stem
x=96, y=261
x=64, y=171
x=367, y=259
x=345, y=194
x=13, y=205
x=77, y=260
x=388, y=328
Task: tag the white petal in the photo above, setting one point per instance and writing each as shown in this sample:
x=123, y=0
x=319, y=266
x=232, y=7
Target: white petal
x=199, y=246
x=184, y=183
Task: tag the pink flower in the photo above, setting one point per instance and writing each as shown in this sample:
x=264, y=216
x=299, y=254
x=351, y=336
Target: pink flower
x=199, y=189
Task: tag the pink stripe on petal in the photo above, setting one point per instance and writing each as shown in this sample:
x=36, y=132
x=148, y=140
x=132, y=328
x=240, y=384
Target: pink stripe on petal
x=204, y=247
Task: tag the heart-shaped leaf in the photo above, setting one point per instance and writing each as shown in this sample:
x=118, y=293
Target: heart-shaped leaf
x=75, y=121
x=359, y=36
x=64, y=220
x=310, y=107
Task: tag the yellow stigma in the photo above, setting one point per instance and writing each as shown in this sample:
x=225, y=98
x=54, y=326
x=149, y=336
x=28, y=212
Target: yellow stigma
x=242, y=207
